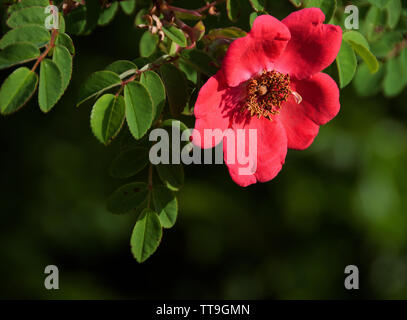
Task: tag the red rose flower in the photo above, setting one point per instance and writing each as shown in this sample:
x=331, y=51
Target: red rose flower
x=271, y=80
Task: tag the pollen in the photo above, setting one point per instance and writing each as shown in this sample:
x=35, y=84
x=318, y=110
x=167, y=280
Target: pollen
x=266, y=93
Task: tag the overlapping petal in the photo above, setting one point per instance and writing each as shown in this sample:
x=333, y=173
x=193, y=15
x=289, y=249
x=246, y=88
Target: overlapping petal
x=313, y=45
x=257, y=51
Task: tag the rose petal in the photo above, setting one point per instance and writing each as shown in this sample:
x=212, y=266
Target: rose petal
x=313, y=45
x=255, y=52
x=266, y=163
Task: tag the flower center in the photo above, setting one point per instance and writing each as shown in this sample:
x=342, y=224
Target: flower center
x=266, y=93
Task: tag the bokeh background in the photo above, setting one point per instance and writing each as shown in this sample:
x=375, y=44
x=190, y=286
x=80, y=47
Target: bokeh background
x=341, y=202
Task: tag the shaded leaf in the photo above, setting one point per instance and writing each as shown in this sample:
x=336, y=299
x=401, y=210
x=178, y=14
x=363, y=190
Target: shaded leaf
x=395, y=77
x=129, y=162
x=172, y=175
x=200, y=61
x=128, y=197
x=367, y=84
x=18, y=53
x=176, y=88
x=166, y=205
x=17, y=89
x=107, y=15
x=393, y=13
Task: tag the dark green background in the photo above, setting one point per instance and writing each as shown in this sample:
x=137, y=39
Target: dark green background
x=340, y=202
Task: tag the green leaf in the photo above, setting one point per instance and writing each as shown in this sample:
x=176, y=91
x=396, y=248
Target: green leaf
x=189, y=71
x=98, y=83
x=18, y=53
x=374, y=23
x=107, y=117
x=386, y=44
x=379, y=3
x=17, y=89
x=176, y=88
x=50, y=88
x=166, y=205
x=346, y=63
x=140, y=17
x=129, y=162
x=63, y=60
x=225, y=33
x=93, y=10
x=297, y=3
x=328, y=7
x=127, y=198
x=76, y=21
x=253, y=16
x=64, y=40
x=361, y=47
x=200, y=61
x=155, y=87
x=27, y=3
x=106, y=16
x=148, y=44
x=128, y=6
x=393, y=13
x=146, y=235
x=29, y=15
x=233, y=8
x=172, y=175
x=395, y=77
x=34, y=34
x=121, y=66
x=258, y=5
x=175, y=35
x=367, y=84
x=139, y=109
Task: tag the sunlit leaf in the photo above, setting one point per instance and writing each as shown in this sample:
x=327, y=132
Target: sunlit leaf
x=50, y=87
x=155, y=87
x=146, y=235
x=346, y=63
x=34, y=34
x=139, y=108
x=107, y=117
x=17, y=89
x=175, y=35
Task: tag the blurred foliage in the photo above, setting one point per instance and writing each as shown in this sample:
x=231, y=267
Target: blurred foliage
x=341, y=202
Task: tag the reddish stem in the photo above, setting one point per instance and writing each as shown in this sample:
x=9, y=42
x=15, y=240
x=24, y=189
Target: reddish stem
x=47, y=50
